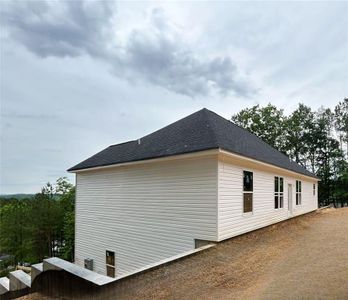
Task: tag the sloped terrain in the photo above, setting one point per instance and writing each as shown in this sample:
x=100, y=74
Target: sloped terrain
x=302, y=258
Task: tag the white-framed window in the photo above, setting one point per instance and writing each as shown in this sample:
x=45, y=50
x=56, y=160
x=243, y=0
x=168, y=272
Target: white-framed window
x=314, y=188
x=110, y=263
x=278, y=192
x=247, y=191
x=298, y=192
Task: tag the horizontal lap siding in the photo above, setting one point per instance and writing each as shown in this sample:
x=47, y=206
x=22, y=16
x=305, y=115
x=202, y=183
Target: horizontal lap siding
x=145, y=213
x=233, y=222
x=309, y=201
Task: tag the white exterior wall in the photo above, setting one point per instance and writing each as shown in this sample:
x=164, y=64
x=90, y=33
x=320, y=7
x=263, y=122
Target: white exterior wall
x=231, y=219
x=145, y=213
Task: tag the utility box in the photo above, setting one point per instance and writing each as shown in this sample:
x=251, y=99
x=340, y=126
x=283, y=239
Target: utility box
x=89, y=264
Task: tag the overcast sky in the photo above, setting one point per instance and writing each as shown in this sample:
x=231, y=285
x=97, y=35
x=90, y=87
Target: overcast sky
x=79, y=76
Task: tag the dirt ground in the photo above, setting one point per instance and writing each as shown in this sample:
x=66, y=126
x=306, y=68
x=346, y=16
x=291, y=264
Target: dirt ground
x=302, y=258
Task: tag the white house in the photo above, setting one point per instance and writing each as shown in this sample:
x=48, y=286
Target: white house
x=197, y=180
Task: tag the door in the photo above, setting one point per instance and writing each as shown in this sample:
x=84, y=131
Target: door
x=110, y=263
x=290, y=199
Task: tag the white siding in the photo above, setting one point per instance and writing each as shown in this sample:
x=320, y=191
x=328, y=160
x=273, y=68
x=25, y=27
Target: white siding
x=145, y=213
x=232, y=221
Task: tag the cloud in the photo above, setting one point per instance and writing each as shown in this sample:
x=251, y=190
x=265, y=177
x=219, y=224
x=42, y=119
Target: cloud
x=50, y=28
x=155, y=53
x=159, y=58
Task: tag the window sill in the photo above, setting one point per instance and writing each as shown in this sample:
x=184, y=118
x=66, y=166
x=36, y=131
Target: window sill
x=248, y=214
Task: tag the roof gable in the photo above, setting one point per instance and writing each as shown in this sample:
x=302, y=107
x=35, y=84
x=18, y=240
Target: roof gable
x=199, y=131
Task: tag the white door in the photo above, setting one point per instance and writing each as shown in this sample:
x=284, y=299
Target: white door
x=290, y=199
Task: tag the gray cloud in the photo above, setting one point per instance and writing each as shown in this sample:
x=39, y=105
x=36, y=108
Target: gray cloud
x=156, y=54
x=163, y=61
x=67, y=28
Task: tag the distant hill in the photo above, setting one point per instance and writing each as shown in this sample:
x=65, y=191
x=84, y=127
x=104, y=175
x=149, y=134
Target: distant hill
x=17, y=196
x=24, y=196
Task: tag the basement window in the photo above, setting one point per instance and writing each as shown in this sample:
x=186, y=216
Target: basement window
x=298, y=192
x=110, y=263
x=247, y=191
x=278, y=192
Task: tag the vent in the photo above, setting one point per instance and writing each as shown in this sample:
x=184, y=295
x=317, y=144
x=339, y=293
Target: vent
x=202, y=243
x=89, y=264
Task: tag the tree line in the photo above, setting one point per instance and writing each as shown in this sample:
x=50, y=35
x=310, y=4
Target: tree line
x=317, y=140
x=35, y=228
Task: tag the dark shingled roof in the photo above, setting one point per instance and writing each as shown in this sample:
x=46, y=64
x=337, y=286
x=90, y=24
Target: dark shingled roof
x=199, y=131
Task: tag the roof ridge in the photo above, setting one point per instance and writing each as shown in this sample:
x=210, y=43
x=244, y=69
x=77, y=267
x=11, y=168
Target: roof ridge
x=113, y=145
x=207, y=113
x=190, y=115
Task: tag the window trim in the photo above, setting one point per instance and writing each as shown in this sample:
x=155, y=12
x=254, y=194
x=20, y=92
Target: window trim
x=278, y=193
x=298, y=192
x=248, y=213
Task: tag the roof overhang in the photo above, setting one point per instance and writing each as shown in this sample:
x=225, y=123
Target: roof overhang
x=152, y=160
x=247, y=161
x=235, y=158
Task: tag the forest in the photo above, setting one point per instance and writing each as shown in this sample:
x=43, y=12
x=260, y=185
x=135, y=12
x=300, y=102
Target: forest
x=317, y=140
x=41, y=226
x=37, y=227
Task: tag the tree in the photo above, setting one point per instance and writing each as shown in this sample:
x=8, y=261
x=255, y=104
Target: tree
x=341, y=122
x=46, y=224
x=63, y=186
x=48, y=214
x=68, y=204
x=299, y=129
x=329, y=156
x=341, y=190
x=14, y=229
x=309, y=138
x=69, y=236
x=266, y=122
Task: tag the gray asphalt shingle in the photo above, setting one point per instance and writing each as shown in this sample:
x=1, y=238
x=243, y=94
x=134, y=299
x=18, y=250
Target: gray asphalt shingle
x=199, y=131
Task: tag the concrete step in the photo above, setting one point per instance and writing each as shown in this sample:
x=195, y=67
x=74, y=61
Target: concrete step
x=36, y=270
x=4, y=285
x=19, y=280
x=56, y=263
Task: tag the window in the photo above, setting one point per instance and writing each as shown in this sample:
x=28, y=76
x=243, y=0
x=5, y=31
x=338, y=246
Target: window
x=247, y=191
x=278, y=192
x=313, y=189
x=110, y=263
x=298, y=192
